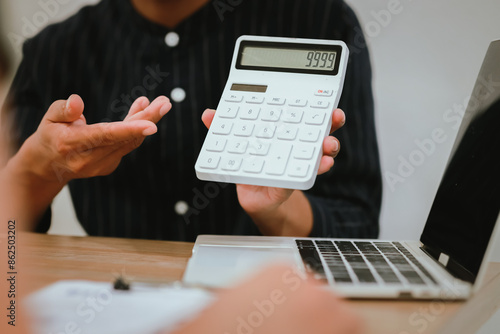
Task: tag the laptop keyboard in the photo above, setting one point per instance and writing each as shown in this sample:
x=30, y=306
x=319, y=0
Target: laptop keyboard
x=352, y=262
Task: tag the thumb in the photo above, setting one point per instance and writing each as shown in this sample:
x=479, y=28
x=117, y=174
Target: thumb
x=207, y=117
x=65, y=111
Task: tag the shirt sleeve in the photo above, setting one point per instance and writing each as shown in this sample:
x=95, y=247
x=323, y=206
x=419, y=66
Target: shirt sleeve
x=346, y=201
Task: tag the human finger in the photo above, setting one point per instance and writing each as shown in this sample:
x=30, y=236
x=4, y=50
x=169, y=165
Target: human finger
x=325, y=164
x=65, y=111
x=207, y=117
x=154, y=112
x=139, y=105
x=338, y=120
x=331, y=146
x=108, y=134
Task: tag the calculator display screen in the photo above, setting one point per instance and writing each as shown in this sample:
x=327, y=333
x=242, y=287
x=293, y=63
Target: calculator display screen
x=289, y=57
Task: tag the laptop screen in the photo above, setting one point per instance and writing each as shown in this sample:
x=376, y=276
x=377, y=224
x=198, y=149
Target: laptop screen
x=467, y=202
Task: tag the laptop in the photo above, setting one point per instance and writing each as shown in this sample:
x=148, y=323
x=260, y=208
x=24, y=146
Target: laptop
x=449, y=261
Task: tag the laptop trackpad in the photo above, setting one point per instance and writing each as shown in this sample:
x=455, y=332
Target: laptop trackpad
x=223, y=266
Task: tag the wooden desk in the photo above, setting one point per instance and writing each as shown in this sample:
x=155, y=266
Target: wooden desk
x=52, y=258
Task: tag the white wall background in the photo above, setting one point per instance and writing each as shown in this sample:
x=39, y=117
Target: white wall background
x=425, y=54
x=425, y=60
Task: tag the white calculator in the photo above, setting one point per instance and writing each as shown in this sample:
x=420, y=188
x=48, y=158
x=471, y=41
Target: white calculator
x=275, y=112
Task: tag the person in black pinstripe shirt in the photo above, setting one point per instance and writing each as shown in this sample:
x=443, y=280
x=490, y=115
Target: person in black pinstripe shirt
x=115, y=51
x=307, y=301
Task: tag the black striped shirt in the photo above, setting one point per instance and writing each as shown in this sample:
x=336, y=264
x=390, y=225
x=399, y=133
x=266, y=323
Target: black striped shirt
x=109, y=55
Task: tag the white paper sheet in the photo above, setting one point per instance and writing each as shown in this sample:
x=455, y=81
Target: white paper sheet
x=80, y=307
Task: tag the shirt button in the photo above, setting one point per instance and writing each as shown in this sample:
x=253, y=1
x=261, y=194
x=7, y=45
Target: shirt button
x=178, y=94
x=181, y=208
x=172, y=39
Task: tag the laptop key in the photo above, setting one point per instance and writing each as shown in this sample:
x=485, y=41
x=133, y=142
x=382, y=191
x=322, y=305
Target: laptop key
x=312, y=260
x=301, y=243
x=342, y=278
x=364, y=275
x=326, y=243
x=405, y=268
x=416, y=262
x=383, y=268
x=346, y=247
x=340, y=274
x=388, y=276
x=386, y=247
x=310, y=256
x=354, y=259
x=366, y=247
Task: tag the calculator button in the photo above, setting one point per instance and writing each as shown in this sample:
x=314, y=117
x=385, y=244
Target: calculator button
x=215, y=144
x=324, y=92
x=271, y=114
x=228, y=112
x=209, y=161
x=221, y=128
x=293, y=115
x=315, y=117
x=258, y=147
x=322, y=104
x=304, y=152
x=250, y=113
x=243, y=129
x=239, y=146
x=234, y=98
x=278, y=101
x=266, y=131
x=298, y=169
x=287, y=132
x=253, y=165
x=297, y=102
x=309, y=134
x=231, y=164
x=278, y=158
x=255, y=99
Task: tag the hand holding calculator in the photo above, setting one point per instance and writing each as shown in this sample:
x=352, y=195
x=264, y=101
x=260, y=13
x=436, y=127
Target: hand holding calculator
x=275, y=112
